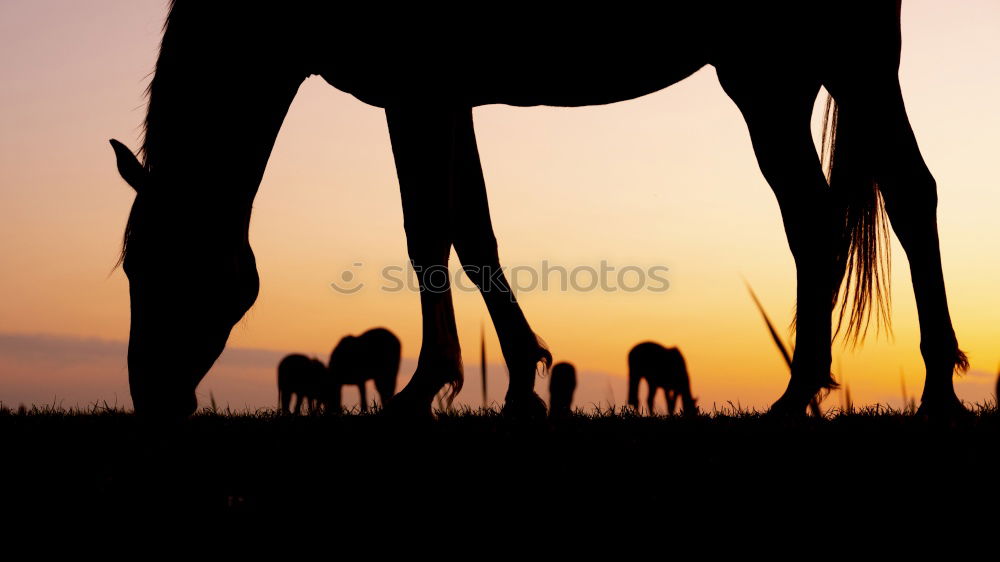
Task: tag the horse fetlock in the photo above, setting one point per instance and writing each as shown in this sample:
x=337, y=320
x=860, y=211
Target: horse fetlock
x=803, y=387
x=435, y=370
x=794, y=401
x=523, y=365
x=811, y=371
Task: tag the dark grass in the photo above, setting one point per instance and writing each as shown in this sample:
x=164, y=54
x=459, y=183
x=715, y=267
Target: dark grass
x=83, y=461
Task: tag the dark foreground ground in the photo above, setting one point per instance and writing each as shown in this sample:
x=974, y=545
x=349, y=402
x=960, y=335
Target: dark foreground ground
x=606, y=465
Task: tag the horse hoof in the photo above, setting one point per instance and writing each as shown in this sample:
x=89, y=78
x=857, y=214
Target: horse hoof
x=173, y=409
x=405, y=406
x=529, y=407
x=949, y=409
x=789, y=407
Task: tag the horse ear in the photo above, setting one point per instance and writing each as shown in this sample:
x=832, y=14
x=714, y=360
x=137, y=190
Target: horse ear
x=129, y=167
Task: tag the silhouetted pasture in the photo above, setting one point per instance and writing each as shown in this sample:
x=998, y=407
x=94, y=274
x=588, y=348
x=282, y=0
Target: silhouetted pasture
x=477, y=467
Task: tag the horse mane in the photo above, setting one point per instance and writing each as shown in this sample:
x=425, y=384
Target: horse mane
x=169, y=53
x=154, y=114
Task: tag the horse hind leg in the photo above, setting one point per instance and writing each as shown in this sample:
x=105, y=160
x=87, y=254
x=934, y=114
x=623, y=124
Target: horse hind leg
x=651, y=399
x=284, y=401
x=672, y=396
x=873, y=117
x=777, y=109
x=476, y=245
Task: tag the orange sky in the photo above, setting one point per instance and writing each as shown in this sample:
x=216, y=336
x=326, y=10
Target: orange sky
x=668, y=179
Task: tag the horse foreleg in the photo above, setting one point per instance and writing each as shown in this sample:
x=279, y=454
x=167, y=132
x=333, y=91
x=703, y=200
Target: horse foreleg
x=778, y=118
x=476, y=246
x=284, y=400
x=385, y=385
x=633, y=388
x=363, y=391
x=423, y=147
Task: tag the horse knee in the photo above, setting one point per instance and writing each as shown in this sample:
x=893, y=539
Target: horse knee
x=480, y=258
x=427, y=244
x=476, y=246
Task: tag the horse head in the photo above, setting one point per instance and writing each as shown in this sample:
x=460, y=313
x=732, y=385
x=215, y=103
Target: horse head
x=191, y=275
x=345, y=360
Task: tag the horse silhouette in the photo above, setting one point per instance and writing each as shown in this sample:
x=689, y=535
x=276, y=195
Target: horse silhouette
x=372, y=356
x=302, y=378
x=562, y=385
x=186, y=252
x=662, y=367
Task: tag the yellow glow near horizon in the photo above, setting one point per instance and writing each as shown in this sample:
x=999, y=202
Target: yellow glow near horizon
x=667, y=179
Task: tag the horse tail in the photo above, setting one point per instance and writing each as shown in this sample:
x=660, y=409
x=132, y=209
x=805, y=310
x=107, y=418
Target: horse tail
x=862, y=280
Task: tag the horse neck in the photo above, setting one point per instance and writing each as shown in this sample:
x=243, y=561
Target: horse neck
x=216, y=102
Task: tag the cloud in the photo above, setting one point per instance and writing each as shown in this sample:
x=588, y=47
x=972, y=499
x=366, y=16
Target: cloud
x=58, y=349
x=75, y=371
x=979, y=375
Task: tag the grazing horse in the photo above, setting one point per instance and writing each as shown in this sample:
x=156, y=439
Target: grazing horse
x=301, y=377
x=561, y=388
x=227, y=72
x=372, y=356
x=662, y=367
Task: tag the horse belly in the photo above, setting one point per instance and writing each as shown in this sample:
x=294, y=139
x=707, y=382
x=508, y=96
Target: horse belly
x=541, y=59
x=582, y=83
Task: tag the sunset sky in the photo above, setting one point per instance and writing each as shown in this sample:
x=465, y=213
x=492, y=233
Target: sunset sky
x=669, y=179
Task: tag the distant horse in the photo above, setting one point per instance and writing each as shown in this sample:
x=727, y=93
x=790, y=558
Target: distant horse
x=561, y=388
x=662, y=367
x=300, y=377
x=192, y=274
x=372, y=356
